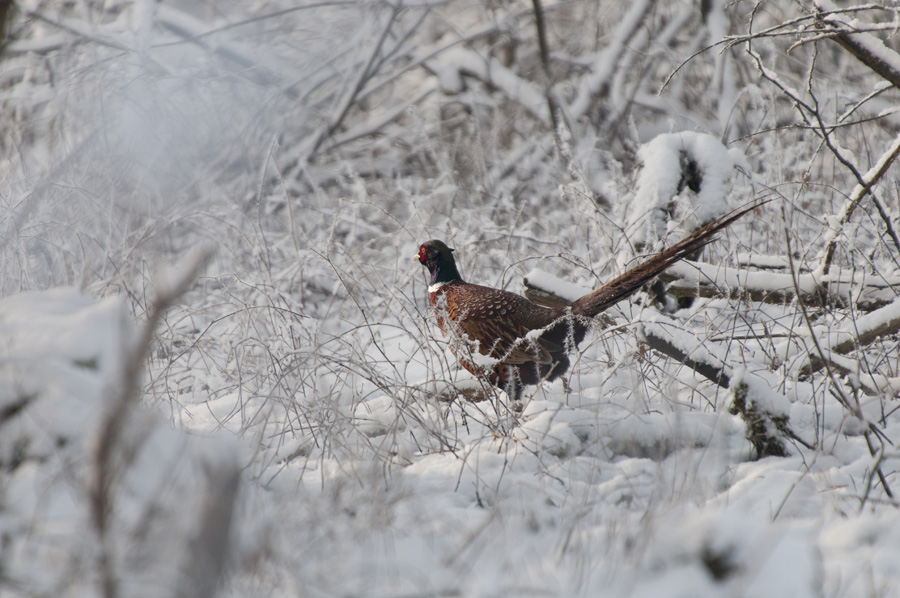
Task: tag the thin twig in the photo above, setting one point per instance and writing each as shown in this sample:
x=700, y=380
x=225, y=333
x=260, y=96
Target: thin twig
x=362, y=77
x=855, y=410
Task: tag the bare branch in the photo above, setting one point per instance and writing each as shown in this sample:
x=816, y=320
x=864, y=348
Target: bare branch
x=349, y=98
x=545, y=63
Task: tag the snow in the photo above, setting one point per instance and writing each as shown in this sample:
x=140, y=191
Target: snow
x=60, y=359
x=759, y=391
x=663, y=168
x=872, y=44
x=455, y=63
x=302, y=428
x=562, y=288
x=663, y=501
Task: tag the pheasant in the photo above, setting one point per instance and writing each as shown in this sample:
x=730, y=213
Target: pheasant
x=508, y=340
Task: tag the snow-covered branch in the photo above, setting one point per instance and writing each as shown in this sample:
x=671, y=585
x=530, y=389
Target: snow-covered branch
x=296, y=411
x=864, y=330
x=595, y=84
x=696, y=279
x=852, y=36
x=453, y=65
x=766, y=414
x=860, y=191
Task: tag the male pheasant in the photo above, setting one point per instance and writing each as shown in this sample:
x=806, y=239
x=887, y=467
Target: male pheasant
x=508, y=340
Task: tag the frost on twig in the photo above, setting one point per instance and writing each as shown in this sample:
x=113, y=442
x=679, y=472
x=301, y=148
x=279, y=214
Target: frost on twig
x=864, y=187
x=872, y=52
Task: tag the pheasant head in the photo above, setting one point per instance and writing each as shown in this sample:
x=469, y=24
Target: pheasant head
x=438, y=258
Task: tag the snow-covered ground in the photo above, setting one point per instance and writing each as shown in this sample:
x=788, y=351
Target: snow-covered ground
x=299, y=426
x=615, y=488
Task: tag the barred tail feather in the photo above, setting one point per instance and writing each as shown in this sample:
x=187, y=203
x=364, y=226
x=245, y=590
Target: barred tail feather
x=621, y=287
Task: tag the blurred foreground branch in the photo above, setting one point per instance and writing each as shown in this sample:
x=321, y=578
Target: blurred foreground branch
x=113, y=451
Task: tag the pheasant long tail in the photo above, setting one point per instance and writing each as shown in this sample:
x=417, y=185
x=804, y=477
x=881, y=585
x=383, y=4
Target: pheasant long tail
x=619, y=288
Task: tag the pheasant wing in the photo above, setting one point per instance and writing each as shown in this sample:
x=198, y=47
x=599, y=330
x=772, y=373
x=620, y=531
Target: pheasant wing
x=505, y=339
x=492, y=317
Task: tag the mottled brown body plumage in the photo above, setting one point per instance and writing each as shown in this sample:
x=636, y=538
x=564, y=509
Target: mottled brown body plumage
x=524, y=343
x=500, y=322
